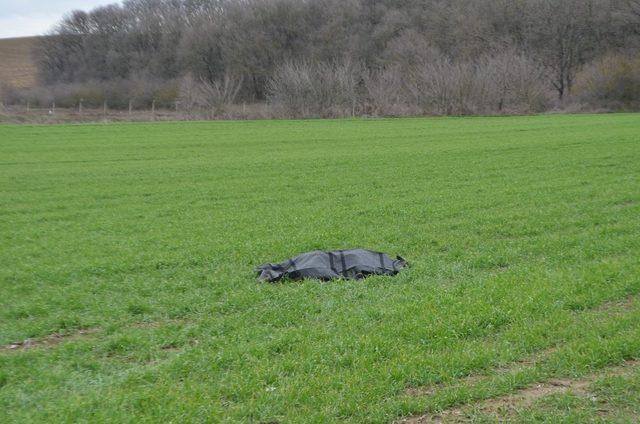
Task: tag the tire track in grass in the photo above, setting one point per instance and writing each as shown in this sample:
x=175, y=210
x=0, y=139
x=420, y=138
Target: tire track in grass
x=506, y=407
x=506, y=369
x=620, y=305
x=524, y=397
x=57, y=338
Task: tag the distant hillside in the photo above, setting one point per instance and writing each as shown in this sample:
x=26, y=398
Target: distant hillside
x=17, y=67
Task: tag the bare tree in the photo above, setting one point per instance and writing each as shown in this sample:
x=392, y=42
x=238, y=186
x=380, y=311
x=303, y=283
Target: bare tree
x=509, y=82
x=633, y=7
x=631, y=16
x=408, y=50
x=214, y=96
x=290, y=89
x=563, y=37
x=444, y=87
x=303, y=89
x=445, y=55
x=386, y=91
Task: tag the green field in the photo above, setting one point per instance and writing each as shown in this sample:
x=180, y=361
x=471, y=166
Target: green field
x=127, y=256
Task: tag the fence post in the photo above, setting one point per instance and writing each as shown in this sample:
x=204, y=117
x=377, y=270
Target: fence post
x=177, y=103
x=130, y=107
x=104, y=108
x=28, y=107
x=80, y=106
x=53, y=108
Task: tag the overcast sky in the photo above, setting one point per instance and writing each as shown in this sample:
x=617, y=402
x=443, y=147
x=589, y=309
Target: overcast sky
x=21, y=18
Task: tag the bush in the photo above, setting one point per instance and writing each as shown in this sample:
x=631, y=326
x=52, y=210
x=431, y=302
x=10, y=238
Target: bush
x=510, y=82
x=93, y=94
x=501, y=83
x=386, y=92
x=8, y=94
x=443, y=87
x=612, y=81
x=215, y=97
x=303, y=89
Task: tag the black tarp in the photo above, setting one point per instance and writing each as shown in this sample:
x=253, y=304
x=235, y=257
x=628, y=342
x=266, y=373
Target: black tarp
x=347, y=264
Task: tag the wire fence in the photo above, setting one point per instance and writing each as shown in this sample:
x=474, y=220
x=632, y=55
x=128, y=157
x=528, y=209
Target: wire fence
x=25, y=112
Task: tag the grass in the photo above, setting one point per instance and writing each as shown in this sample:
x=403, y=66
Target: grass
x=127, y=257
x=17, y=66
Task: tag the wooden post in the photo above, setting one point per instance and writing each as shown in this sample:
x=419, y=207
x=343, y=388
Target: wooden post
x=130, y=107
x=177, y=102
x=53, y=108
x=104, y=108
x=80, y=106
x=153, y=106
x=28, y=107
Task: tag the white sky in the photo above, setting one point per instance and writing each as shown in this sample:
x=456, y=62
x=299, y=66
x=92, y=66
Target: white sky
x=22, y=18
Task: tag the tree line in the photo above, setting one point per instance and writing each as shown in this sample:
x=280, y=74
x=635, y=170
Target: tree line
x=337, y=57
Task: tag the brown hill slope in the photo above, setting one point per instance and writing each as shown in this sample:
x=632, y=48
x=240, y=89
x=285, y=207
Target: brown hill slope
x=17, y=67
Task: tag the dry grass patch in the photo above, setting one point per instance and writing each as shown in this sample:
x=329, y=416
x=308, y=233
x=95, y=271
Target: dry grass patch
x=47, y=341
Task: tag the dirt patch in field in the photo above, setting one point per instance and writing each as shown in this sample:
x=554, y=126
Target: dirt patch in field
x=528, y=396
x=623, y=304
x=502, y=408
x=47, y=341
